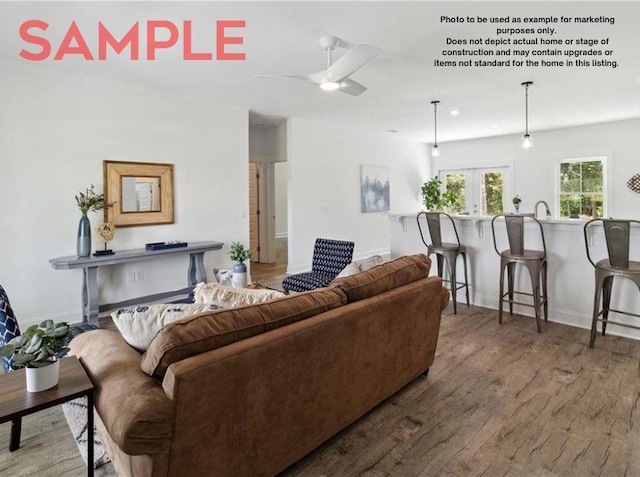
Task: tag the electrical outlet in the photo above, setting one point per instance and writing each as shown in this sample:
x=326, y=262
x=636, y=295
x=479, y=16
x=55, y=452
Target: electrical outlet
x=324, y=209
x=131, y=276
x=243, y=214
x=139, y=275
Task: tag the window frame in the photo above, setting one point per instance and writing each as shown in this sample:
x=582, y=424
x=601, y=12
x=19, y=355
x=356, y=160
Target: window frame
x=606, y=203
x=472, y=174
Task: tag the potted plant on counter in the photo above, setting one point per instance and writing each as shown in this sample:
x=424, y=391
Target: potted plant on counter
x=39, y=350
x=239, y=254
x=436, y=201
x=516, y=204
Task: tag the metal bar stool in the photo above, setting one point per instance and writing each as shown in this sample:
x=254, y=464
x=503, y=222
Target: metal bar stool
x=534, y=260
x=616, y=233
x=445, y=251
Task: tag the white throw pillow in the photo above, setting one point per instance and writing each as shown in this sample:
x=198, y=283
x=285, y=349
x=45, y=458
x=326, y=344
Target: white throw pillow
x=139, y=324
x=231, y=297
x=372, y=261
x=349, y=270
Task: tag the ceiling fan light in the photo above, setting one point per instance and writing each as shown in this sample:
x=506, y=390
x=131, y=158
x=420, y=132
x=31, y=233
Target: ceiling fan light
x=527, y=142
x=435, y=151
x=330, y=86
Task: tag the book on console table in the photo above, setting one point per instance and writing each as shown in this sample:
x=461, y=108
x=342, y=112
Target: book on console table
x=165, y=245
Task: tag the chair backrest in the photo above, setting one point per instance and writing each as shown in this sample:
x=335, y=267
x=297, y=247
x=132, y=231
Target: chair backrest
x=617, y=233
x=331, y=256
x=435, y=228
x=515, y=233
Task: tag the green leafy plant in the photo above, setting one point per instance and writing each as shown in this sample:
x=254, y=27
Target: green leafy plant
x=39, y=346
x=516, y=200
x=450, y=200
x=238, y=253
x=90, y=201
x=434, y=200
x=431, y=194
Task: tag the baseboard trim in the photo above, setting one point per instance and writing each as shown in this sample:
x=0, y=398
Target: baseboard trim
x=282, y=235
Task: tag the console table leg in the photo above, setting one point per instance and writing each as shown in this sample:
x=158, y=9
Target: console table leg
x=90, y=434
x=16, y=429
x=197, y=273
x=90, y=295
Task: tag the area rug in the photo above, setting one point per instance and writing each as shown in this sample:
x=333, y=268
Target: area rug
x=76, y=414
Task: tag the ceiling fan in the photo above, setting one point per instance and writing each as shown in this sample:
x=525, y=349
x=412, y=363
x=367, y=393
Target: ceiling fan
x=336, y=75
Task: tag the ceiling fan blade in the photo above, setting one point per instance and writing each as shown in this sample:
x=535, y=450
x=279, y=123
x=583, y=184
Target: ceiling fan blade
x=307, y=78
x=350, y=62
x=351, y=87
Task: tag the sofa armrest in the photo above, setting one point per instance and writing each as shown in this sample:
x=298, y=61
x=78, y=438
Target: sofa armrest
x=132, y=405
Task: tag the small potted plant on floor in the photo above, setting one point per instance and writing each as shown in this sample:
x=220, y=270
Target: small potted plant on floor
x=39, y=350
x=239, y=254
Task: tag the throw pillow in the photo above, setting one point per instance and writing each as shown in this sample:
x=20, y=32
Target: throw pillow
x=370, y=262
x=138, y=325
x=230, y=297
x=349, y=270
x=9, y=328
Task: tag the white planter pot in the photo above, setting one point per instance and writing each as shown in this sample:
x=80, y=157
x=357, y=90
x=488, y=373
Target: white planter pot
x=41, y=379
x=239, y=280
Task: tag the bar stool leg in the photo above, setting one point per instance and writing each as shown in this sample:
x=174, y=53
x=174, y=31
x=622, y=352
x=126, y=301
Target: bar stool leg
x=466, y=280
x=439, y=260
x=534, y=272
x=510, y=276
x=596, y=308
x=544, y=291
x=501, y=298
x=451, y=263
x=606, y=301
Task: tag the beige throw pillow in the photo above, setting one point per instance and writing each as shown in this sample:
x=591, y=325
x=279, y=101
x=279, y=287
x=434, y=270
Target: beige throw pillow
x=139, y=324
x=230, y=297
x=349, y=270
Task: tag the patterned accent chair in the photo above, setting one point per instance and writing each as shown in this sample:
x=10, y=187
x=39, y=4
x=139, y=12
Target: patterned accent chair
x=9, y=328
x=329, y=258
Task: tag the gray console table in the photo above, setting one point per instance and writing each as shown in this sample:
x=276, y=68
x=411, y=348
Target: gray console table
x=90, y=265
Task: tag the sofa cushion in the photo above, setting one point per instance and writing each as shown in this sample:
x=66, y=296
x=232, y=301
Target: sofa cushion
x=384, y=277
x=208, y=331
x=230, y=297
x=139, y=324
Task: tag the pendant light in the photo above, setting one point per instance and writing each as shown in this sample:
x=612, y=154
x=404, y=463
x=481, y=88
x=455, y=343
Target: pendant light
x=527, y=142
x=435, y=152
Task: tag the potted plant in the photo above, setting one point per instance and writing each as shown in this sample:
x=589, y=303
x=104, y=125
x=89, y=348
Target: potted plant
x=38, y=350
x=88, y=201
x=434, y=200
x=431, y=194
x=239, y=254
x=516, y=204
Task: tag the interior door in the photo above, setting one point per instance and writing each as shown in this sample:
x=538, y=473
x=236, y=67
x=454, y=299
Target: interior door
x=254, y=211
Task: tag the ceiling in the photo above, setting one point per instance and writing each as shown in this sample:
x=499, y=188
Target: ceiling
x=282, y=39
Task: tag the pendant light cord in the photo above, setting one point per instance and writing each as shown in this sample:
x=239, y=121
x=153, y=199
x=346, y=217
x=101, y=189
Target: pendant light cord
x=526, y=109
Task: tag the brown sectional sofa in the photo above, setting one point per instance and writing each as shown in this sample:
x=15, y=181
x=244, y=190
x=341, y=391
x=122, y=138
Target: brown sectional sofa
x=251, y=390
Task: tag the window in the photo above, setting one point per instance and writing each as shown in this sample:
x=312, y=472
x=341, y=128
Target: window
x=582, y=187
x=481, y=191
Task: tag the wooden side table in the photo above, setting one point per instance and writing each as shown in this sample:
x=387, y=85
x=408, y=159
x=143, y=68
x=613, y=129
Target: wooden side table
x=16, y=402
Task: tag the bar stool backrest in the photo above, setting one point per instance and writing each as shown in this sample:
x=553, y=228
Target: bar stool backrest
x=617, y=235
x=435, y=229
x=515, y=233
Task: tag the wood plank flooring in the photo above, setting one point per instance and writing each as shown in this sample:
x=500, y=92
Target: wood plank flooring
x=498, y=400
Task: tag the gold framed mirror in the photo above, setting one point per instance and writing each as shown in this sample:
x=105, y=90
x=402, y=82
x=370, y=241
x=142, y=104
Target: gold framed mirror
x=142, y=192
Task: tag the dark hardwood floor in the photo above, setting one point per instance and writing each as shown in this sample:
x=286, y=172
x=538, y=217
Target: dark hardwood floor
x=501, y=400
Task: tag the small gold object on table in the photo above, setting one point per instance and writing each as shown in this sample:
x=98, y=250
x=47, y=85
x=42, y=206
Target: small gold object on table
x=106, y=231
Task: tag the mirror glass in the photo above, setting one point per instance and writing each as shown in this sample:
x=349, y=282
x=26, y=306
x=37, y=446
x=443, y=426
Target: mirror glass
x=142, y=193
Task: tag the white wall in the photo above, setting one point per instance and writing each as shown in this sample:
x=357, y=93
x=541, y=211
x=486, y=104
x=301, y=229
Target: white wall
x=54, y=134
x=533, y=169
x=268, y=144
x=281, y=185
x=324, y=186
